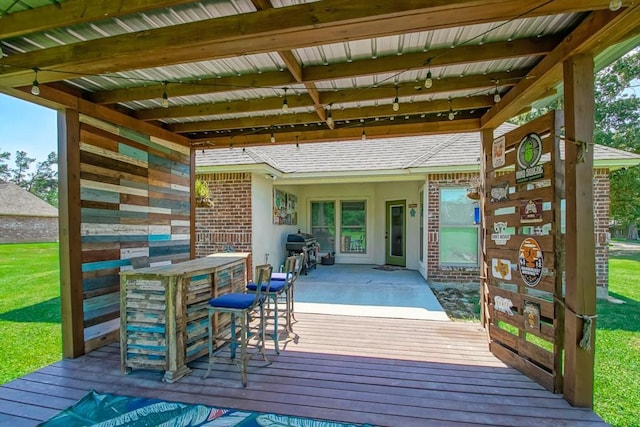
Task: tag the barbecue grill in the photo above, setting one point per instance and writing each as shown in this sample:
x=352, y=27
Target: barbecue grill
x=298, y=242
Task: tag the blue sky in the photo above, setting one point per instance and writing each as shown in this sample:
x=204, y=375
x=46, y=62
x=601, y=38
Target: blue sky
x=27, y=127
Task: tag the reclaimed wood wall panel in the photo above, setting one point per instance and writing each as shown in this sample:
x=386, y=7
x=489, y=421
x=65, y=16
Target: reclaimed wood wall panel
x=134, y=203
x=523, y=245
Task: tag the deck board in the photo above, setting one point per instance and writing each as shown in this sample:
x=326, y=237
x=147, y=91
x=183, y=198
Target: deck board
x=389, y=372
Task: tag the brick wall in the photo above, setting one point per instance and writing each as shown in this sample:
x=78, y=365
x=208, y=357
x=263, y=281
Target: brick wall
x=601, y=225
x=436, y=272
x=227, y=225
x=28, y=229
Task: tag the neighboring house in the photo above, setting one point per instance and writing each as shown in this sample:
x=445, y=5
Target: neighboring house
x=25, y=218
x=399, y=201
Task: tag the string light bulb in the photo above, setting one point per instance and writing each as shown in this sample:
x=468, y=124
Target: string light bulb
x=285, y=104
x=35, y=88
x=165, y=97
x=615, y=5
x=272, y=138
x=451, y=113
x=429, y=80
x=364, y=133
x=396, y=102
x=496, y=95
x=329, y=117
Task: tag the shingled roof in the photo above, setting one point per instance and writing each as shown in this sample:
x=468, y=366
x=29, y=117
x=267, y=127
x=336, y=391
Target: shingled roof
x=16, y=201
x=437, y=153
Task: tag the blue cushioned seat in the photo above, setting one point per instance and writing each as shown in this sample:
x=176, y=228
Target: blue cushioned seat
x=274, y=287
x=239, y=307
x=240, y=301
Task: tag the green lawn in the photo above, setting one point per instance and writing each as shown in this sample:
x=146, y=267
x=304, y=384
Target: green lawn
x=30, y=335
x=617, y=368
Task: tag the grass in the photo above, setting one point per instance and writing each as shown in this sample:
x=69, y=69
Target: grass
x=617, y=365
x=30, y=333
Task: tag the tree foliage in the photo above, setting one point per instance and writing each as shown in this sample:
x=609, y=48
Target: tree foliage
x=617, y=125
x=43, y=181
x=617, y=118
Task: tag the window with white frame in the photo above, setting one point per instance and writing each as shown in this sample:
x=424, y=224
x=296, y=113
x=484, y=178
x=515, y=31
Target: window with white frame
x=458, y=233
x=340, y=225
x=323, y=224
x=353, y=226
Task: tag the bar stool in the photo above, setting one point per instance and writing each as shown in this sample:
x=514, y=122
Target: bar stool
x=240, y=307
x=300, y=261
x=278, y=286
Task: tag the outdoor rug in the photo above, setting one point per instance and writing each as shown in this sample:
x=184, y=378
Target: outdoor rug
x=97, y=409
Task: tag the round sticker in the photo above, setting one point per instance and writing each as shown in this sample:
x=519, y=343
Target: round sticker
x=529, y=151
x=530, y=262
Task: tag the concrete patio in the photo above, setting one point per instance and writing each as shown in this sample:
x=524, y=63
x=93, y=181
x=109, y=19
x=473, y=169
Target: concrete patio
x=364, y=290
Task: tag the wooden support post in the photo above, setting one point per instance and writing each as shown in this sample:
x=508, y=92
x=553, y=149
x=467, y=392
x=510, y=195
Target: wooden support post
x=487, y=142
x=580, y=296
x=70, y=239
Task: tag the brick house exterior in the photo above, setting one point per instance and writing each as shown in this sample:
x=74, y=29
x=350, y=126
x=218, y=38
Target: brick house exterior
x=24, y=218
x=442, y=274
x=227, y=226
x=411, y=169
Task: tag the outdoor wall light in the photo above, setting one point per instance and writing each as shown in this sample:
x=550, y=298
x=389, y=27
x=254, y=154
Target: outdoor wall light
x=615, y=5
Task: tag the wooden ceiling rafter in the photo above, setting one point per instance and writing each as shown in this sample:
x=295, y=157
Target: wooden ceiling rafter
x=311, y=89
x=343, y=134
x=295, y=68
x=74, y=12
x=278, y=29
x=601, y=28
x=244, y=129
x=536, y=46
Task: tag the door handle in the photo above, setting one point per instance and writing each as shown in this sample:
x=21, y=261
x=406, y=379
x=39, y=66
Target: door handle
x=386, y=234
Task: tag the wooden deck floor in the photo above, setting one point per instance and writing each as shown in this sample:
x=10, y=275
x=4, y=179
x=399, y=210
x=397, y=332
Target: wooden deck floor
x=388, y=372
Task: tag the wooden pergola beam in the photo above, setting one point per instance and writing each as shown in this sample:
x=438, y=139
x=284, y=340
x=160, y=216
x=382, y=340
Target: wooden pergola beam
x=599, y=29
x=344, y=134
x=74, y=12
x=441, y=57
x=426, y=107
x=325, y=22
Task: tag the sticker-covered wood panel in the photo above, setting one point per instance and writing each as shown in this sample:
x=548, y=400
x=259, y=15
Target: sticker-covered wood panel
x=135, y=204
x=523, y=246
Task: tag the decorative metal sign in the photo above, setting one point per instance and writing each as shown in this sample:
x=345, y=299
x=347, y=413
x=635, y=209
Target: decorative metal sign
x=501, y=268
x=503, y=305
x=528, y=154
x=530, y=262
x=499, y=235
x=499, y=192
x=531, y=314
x=531, y=211
x=498, y=152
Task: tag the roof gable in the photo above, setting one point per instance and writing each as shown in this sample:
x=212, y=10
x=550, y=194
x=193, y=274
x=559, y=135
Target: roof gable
x=438, y=152
x=19, y=202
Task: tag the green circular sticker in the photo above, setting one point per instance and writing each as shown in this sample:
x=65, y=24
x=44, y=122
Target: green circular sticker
x=529, y=151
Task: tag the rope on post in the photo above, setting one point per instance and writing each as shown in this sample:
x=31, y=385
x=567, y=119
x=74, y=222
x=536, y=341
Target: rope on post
x=585, y=342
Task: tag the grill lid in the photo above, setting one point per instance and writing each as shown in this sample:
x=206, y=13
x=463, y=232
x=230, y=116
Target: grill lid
x=300, y=237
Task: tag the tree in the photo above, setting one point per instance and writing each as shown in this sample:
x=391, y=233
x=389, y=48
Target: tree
x=19, y=174
x=4, y=167
x=43, y=182
x=617, y=115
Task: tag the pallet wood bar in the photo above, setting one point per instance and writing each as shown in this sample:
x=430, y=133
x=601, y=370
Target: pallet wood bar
x=163, y=322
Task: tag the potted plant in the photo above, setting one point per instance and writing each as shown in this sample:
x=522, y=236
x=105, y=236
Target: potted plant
x=203, y=199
